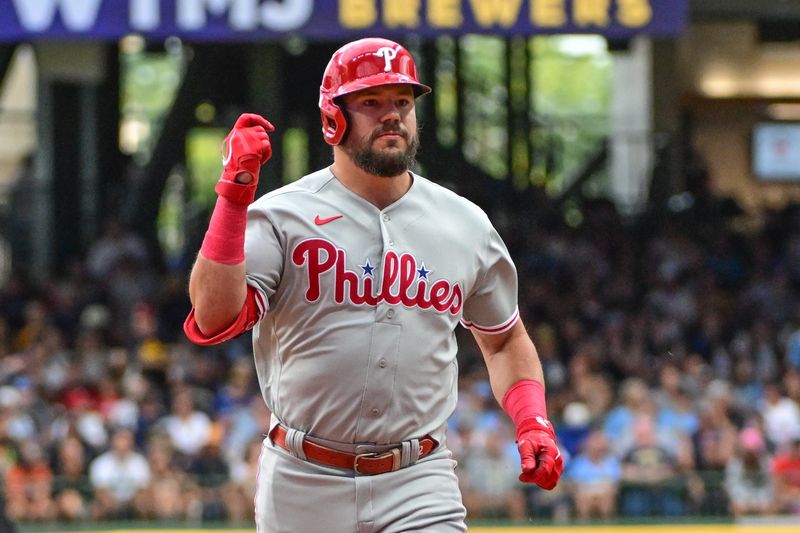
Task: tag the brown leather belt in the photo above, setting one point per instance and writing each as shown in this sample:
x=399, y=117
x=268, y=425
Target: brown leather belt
x=368, y=464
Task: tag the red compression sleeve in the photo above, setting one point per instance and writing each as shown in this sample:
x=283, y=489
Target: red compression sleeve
x=523, y=401
x=224, y=240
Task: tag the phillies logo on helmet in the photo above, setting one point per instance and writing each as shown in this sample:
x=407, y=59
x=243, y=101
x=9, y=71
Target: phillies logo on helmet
x=404, y=280
x=387, y=53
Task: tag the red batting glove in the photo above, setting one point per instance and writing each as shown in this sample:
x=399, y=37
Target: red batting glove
x=247, y=147
x=541, y=460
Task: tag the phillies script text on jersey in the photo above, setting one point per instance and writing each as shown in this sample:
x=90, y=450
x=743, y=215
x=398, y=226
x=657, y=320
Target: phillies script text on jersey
x=400, y=272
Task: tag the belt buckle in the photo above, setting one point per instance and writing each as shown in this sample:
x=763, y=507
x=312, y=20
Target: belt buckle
x=368, y=455
x=394, y=453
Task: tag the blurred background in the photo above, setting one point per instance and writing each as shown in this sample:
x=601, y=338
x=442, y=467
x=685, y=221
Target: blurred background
x=641, y=159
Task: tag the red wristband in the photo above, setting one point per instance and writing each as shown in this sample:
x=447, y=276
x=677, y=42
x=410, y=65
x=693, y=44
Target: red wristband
x=224, y=240
x=524, y=400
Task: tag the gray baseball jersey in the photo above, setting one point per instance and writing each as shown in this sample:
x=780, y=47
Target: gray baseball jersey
x=356, y=343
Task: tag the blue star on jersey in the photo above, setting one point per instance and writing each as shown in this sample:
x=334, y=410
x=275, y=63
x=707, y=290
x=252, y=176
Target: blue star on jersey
x=367, y=268
x=423, y=273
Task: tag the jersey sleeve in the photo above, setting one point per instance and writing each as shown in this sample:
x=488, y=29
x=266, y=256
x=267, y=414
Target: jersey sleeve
x=252, y=311
x=491, y=306
x=264, y=253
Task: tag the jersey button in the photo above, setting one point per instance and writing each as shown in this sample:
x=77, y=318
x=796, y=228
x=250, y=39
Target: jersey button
x=386, y=218
x=375, y=411
x=390, y=313
x=391, y=243
x=382, y=363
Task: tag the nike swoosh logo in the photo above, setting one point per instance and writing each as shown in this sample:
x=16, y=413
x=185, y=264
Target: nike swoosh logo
x=320, y=221
x=227, y=157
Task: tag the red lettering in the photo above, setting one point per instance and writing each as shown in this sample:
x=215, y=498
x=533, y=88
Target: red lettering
x=440, y=290
x=345, y=277
x=311, y=250
x=391, y=270
x=456, y=300
x=422, y=287
x=400, y=274
x=408, y=272
x=368, y=297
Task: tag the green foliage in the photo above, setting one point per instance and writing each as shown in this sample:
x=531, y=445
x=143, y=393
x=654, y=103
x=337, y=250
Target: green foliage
x=485, y=133
x=295, y=154
x=148, y=84
x=204, y=163
x=559, y=89
x=571, y=97
x=571, y=75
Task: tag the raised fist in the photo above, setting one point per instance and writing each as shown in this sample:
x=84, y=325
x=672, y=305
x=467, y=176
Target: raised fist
x=541, y=460
x=246, y=148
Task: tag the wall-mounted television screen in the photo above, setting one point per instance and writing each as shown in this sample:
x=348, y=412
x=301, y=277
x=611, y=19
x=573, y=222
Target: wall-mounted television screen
x=776, y=151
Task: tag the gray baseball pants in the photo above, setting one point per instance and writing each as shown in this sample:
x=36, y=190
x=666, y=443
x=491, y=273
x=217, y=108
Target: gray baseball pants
x=297, y=496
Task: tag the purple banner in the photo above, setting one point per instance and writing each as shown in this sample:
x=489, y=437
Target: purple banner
x=261, y=20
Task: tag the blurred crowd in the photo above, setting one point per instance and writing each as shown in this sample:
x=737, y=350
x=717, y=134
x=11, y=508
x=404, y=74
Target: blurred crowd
x=107, y=411
x=671, y=352
x=670, y=345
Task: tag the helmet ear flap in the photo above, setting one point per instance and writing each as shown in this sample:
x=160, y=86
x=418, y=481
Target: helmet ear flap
x=334, y=122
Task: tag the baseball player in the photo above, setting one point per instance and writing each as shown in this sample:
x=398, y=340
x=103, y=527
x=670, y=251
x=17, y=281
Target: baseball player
x=353, y=279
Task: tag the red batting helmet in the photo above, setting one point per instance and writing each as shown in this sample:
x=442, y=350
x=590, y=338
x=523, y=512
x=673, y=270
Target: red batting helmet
x=359, y=65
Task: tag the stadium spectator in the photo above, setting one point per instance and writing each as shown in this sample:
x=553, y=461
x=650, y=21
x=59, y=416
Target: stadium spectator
x=115, y=243
x=170, y=492
x=5, y=337
x=635, y=401
x=574, y=427
x=218, y=496
x=241, y=425
x=792, y=345
x=781, y=416
x=488, y=477
x=714, y=443
x=91, y=347
x=72, y=491
x=747, y=390
x=650, y=475
x=238, y=389
x=35, y=316
x=786, y=469
x=16, y=422
x=28, y=485
x=715, y=438
x=151, y=354
x=244, y=474
x=189, y=429
x=594, y=477
x=117, y=476
x=748, y=480
x=151, y=413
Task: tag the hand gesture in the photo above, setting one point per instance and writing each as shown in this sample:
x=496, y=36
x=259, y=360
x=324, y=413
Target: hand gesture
x=246, y=148
x=541, y=460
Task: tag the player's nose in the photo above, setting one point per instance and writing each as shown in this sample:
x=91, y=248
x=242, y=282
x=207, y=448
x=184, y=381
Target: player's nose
x=391, y=112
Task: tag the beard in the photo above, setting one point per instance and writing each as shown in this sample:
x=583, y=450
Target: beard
x=383, y=163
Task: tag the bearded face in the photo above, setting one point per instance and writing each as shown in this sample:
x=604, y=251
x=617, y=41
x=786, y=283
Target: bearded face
x=387, y=151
